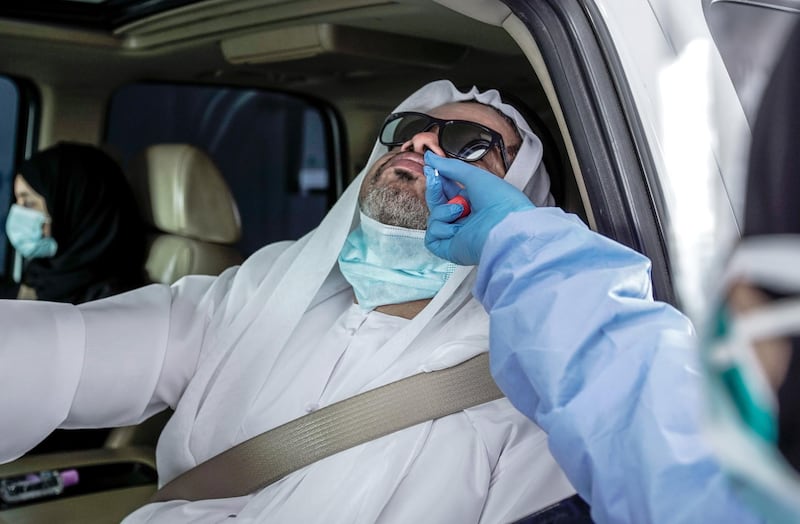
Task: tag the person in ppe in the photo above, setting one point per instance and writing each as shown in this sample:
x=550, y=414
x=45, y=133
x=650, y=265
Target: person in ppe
x=751, y=349
x=74, y=226
x=355, y=304
x=578, y=344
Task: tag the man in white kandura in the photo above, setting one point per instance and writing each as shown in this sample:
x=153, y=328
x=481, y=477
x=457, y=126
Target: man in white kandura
x=355, y=304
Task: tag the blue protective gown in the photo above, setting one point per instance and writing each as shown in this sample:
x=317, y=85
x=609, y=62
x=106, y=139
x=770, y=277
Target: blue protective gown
x=579, y=345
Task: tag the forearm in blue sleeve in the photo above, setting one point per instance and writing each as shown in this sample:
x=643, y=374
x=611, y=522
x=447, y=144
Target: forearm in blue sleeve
x=579, y=346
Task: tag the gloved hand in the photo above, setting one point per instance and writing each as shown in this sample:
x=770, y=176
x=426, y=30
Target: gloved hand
x=491, y=198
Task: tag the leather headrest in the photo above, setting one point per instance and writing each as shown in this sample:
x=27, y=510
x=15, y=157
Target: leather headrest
x=181, y=191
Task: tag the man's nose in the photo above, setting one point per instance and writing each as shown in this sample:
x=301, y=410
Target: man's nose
x=422, y=142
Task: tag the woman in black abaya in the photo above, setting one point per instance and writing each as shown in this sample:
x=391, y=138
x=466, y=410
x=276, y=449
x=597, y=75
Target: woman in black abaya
x=75, y=227
x=78, y=237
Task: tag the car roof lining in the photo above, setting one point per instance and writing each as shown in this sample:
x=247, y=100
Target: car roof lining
x=192, y=43
x=87, y=14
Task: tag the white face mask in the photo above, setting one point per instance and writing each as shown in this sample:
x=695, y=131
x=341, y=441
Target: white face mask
x=742, y=414
x=391, y=265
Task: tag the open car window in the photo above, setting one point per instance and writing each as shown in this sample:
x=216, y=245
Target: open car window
x=273, y=149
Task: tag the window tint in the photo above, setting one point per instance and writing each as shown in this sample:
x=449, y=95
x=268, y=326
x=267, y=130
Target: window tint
x=9, y=108
x=271, y=148
x=750, y=34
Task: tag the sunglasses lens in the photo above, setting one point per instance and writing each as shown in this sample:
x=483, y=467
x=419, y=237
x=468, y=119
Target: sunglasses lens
x=402, y=128
x=465, y=141
x=462, y=140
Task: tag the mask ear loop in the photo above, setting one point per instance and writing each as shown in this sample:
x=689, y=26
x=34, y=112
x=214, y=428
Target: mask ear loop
x=752, y=457
x=17, y=271
x=736, y=369
x=738, y=366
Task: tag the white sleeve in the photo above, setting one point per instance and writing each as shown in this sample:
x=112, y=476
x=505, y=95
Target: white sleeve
x=110, y=362
x=41, y=356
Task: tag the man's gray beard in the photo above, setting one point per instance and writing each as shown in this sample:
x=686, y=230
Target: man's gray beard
x=394, y=207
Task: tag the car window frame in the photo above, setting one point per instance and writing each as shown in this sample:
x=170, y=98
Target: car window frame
x=28, y=123
x=620, y=174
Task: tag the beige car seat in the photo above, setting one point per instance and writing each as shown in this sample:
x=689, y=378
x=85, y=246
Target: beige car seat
x=184, y=197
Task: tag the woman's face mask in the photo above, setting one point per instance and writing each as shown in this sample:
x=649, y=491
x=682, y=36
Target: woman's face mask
x=747, y=356
x=24, y=228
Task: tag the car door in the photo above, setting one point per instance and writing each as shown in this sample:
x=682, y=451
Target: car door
x=657, y=96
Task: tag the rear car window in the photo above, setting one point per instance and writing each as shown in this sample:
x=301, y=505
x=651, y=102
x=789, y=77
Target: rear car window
x=9, y=108
x=273, y=149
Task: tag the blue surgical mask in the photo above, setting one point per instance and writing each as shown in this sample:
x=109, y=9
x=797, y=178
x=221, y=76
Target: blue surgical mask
x=391, y=265
x=24, y=230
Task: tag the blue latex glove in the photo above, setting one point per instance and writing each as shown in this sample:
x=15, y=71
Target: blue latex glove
x=491, y=199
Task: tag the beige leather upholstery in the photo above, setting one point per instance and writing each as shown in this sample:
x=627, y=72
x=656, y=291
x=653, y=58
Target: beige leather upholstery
x=182, y=194
x=101, y=504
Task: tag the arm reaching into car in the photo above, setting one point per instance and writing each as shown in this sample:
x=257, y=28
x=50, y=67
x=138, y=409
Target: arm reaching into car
x=578, y=344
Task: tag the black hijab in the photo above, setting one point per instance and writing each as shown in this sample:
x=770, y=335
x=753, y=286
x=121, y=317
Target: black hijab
x=773, y=191
x=95, y=221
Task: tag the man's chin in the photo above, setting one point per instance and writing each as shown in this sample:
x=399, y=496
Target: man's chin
x=395, y=206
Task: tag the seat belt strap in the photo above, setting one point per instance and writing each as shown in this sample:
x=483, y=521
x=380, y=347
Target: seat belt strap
x=270, y=456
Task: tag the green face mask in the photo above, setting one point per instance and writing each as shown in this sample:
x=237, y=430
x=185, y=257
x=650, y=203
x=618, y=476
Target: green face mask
x=742, y=406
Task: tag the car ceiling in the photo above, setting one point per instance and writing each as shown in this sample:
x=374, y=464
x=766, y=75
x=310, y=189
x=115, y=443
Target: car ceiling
x=88, y=14
x=179, y=40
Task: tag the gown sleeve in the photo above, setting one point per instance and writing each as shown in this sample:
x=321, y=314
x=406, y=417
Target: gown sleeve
x=579, y=346
x=105, y=363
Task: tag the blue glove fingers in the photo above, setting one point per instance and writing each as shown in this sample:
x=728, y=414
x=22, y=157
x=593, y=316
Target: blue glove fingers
x=438, y=189
x=440, y=248
x=441, y=231
x=481, y=188
x=439, y=240
x=450, y=188
x=434, y=192
x=491, y=198
x=445, y=213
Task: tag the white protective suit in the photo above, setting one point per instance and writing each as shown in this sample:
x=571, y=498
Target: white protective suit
x=267, y=342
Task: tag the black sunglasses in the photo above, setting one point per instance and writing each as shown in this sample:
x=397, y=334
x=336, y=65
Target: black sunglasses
x=461, y=139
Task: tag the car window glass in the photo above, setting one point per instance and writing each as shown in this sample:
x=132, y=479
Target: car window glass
x=271, y=148
x=9, y=108
x=750, y=35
